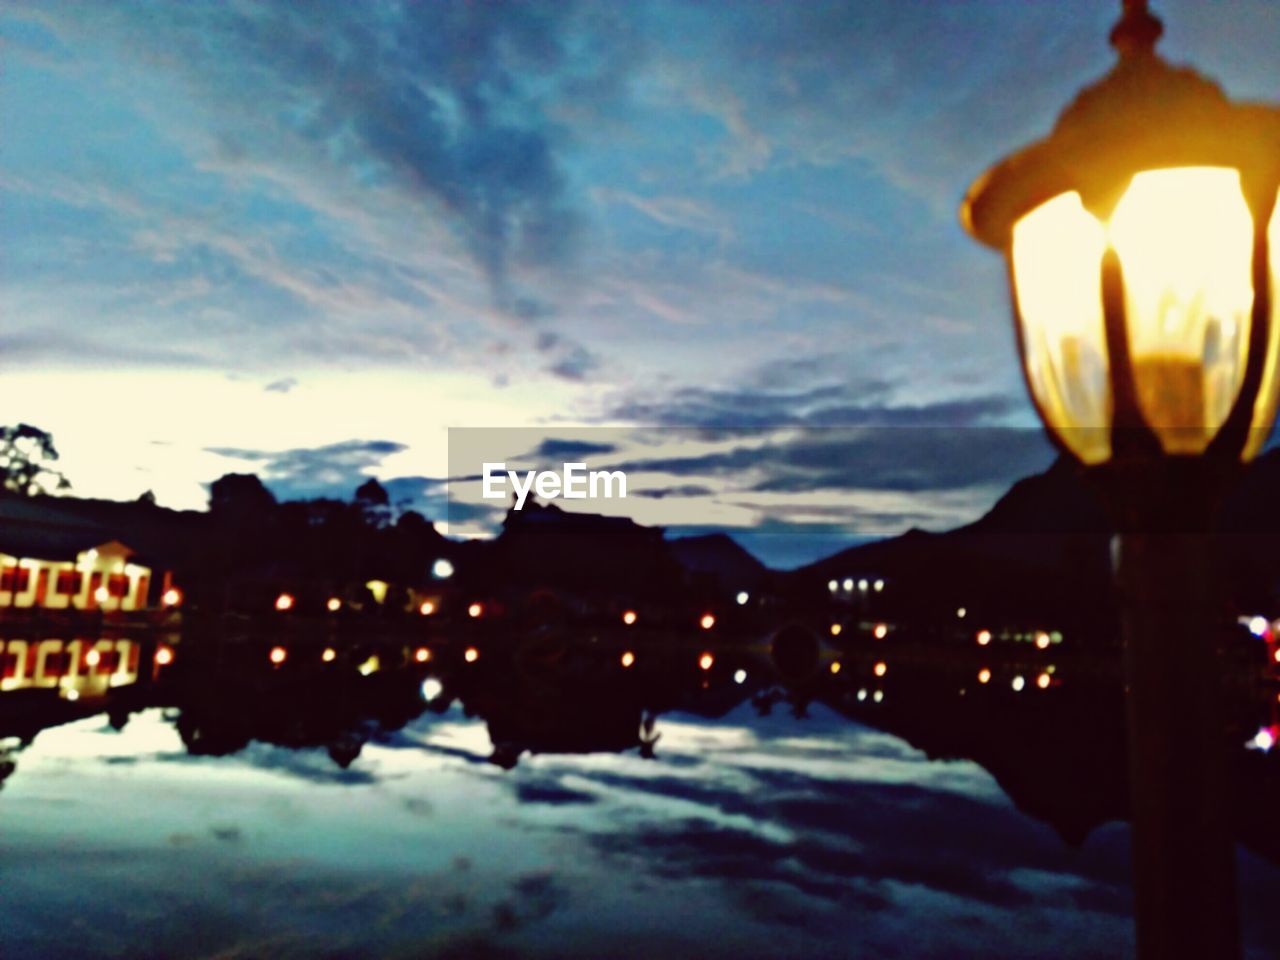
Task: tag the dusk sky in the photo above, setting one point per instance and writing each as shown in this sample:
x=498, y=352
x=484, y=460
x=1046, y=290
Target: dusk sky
x=303, y=240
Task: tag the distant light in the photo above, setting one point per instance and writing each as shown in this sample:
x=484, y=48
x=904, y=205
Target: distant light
x=278, y=655
x=743, y=597
x=91, y=554
x=836, y=629
x=172, y=597
x=848, y=583
x=475, y=610
x=833, y=585
x=379, y=590
x=862, y=694
x=101, y=595
x=863, y=585
x=835, y=666
x=431, y=688
x=628, y=658
x=1277, y=655
x=372, y=665
x=1042, y=681
x=881, y=631
x=629, y=617
x=1042, y=640
x=1018, y=683
x=739, y=676
x=1264, y=739
x=422, y=654
x=71, y=693
x=329, y=655
x=284, y=602
x=984, y=675
x=442, y=569
x=164, y=656
x=706, y=661
x=427, y=608
x=1258, y=626
x=471, y=655
x=984, y=637
x=878, y=696
x=961, y=612
x=334, y=604
x=707, y=622
x=92, y=658
x=878, y=586
x=881, y=668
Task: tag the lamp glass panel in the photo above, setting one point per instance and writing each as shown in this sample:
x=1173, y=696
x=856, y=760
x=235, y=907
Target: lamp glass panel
x=1264, y=411
x=1185, y=240
x=1057, y=261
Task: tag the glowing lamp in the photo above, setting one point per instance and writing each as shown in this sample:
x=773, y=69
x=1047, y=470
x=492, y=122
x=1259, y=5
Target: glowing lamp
x=629, y=617
x=984, y=675
x=835, y=666
x=706, y=661
x=334, y=605
x=422, y=654
x=284, y=602
x=172, y=597
x=628, y=659
x=278, y=655
x=101, y=594
x=881, y=631
x=1258, y=626
x=836, y=629
x=1042, y=681
x=881, y=668
x=1042, y=640
x=742, y=598
x=92, y=659
x=984, y=637
x=739, y=676
x=471, y=655
x=164, y=656
x=427, y=608
x=328, y=655
x=1143, y=247
x=707, y=622
x=475, y=611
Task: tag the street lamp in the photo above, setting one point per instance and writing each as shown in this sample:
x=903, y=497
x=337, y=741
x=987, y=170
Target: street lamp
x=1143, y=248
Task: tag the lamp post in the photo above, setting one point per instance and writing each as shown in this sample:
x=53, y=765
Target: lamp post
x=1143, y=248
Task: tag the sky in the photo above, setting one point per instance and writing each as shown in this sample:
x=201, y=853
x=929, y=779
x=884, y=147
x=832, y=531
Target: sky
x=307, y=240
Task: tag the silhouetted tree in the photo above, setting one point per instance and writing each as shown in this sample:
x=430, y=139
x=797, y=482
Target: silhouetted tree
x=239, y=498
x=25, y=455
x=148, y=498
x=374, y=504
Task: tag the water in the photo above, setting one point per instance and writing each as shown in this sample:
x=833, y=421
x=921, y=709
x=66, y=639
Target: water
x=248, y=811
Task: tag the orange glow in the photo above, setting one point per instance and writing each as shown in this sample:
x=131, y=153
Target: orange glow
x=881, y=631
x=628, y=658
x=984, y=637
x=278, y=655
x=835, y=666
x=92, y=658
x=427, y=608
x=164, y=656
x=984, y=675
x=707, y=621
x=284, y=602
x=471, y=655
x=1042, y=681
x=422, y=654
x=629, y=617
x=706, y=661
x=334, y=604
x=475, y=610
x=835, y=629
x=328, y=655
x=172, y=597
x=101, y=595
x=1277, y=656
x=1042, y=640
x=881, y=668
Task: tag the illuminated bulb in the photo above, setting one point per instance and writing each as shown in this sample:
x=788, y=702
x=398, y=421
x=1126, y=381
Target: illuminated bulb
x=629, y=617
x=881, y=631
x=705, y=661
x=878, y=586
x=984, y=637
x=172, y=597
x=474, y=610
x=707, y=621
x=164, y=656
x=101, y=595
x=1258, y=626
x=328, y=655
x=835, y=666
x=71, y=694
x=422, y=655
x=1277, y=655
x=442, y=569
x=961, y=612
x=1264, y=739
x=471, y=655
x=431, y=688
x=284, y=602
x=862, y=694
x=628, y=658
x=835, y=629
x=278, y=655
x=863, y=585
x=1042, y=640
x=92, y=658
x=740, y=676
x=427, y=608
x=984, y=675
x=743, y=597
x=881, y=668
x=1042, y=681
x=372, y=665
x=878, y=696
x=833, y=585
x=1018, y=683
x=334, y=604
x=848, y=583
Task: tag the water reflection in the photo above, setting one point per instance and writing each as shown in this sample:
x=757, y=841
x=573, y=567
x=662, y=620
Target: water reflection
x=542, y=799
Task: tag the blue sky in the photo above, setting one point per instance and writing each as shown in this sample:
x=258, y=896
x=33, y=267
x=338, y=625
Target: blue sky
x=307, y=239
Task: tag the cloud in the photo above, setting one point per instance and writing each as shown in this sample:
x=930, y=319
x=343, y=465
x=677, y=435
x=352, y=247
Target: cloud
x=333, y=470
x=281, y=386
